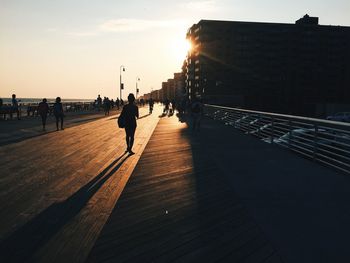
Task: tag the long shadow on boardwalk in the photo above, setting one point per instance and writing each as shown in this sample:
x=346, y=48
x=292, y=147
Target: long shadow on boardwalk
x=34, y=128
x=23, y=243
x=227, y=231
x=178, y=206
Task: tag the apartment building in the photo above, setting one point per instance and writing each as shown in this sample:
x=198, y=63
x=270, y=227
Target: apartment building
x=301, y=68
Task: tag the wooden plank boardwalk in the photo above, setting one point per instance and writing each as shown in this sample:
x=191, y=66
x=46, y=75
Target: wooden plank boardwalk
x=57, y=190
x=177, y=207
x=191, y=198
x=12, y=131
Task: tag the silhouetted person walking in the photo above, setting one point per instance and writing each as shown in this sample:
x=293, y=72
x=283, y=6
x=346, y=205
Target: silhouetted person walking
x=43, y=110
x=58, y=112
x=166, y=106
x=106, y=105
x=131, y=112
x=151, y=104
x=99, y=102
x=15, y=107
x=117, y=103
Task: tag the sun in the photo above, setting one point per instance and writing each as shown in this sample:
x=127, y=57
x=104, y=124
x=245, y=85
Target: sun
x=180, y=48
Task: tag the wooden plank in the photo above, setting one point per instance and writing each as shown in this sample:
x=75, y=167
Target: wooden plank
x=60, y=188
x=177, y=206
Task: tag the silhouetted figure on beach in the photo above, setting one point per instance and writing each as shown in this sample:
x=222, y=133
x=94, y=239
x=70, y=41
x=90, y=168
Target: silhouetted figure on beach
x=15, y=106
x=131, y=113
x=43, y=110
x=196, y=113
x=58, y=112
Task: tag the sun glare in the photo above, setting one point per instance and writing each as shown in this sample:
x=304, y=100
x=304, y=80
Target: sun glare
x=180, y=47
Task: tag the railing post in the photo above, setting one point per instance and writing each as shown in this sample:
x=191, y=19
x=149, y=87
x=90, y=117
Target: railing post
x=315, y=142
x=273, y=129
x=290, y=126
x=259, y=121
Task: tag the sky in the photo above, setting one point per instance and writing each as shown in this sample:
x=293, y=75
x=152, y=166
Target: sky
x=75, y=48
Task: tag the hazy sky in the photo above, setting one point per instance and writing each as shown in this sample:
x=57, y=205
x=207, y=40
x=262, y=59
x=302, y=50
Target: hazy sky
x=74, y=48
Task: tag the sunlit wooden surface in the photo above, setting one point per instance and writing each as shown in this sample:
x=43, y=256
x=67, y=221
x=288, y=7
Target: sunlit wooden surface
x=177, y=206
x=57, y=190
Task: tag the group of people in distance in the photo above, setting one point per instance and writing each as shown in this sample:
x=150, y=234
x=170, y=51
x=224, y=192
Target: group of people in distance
x=107, y=104
x=13, y=108
x=43, y=110
x=130, y=112
x=194, y=109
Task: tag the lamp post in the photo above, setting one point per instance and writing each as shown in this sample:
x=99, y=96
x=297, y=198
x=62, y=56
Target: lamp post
x=137, y=90
x=121, y=86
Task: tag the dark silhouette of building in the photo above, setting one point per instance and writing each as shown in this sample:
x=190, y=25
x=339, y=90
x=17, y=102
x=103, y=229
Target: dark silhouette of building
x=301, y=68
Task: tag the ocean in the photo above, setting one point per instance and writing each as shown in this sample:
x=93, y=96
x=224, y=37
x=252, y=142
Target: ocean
x=49, y=100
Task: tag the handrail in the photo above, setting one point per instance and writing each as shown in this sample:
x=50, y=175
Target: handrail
x=324, y=141
x=305, y=119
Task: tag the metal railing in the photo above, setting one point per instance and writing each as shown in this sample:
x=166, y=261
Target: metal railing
x=324, y=141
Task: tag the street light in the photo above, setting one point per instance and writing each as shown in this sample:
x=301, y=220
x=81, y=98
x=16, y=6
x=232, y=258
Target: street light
x=137, y=90
x=121, y=86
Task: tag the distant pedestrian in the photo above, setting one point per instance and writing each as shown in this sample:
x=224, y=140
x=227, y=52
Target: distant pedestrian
x=58, y=112
x=196, y=113
x=117, y=103
x=171, y=112
x=151, y=104
x=105, y=105
x=99, y=102
x=43, y=110
x=173, y=104
x=166, y=106
x=131, y=113
x=15, y=107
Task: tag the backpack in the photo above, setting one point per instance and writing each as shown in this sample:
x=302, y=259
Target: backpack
x=121, y=120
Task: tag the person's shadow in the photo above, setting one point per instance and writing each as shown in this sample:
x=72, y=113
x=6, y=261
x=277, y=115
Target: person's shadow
x=24, y=242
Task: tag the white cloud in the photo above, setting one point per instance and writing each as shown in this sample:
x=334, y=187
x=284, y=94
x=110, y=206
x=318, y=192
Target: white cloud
x=127, y=25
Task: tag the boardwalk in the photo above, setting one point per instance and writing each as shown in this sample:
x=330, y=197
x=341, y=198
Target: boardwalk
x=214, y=196
x=12, y=131
x=57, y=190
x=177, y=207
